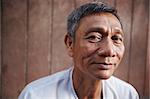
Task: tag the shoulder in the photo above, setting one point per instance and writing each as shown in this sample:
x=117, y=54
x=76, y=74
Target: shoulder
x=51, y=79
x=122, y=88
x=118, y=82
x=45, y=85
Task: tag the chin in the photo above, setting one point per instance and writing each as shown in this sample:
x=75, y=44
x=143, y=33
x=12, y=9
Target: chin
x=103, y=76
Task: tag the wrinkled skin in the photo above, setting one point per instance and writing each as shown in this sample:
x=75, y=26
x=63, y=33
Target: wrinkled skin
x=96, y=51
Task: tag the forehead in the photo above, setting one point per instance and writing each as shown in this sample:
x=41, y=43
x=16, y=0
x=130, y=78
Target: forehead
x=103, y=20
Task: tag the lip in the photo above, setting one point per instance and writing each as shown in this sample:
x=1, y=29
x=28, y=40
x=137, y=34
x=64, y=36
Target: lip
x=104, y=66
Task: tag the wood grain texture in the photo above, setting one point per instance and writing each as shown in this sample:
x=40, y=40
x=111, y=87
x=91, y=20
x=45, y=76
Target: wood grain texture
x=38, y=38
x=0, y=51
x=80, y=2
x=60, y=58
x=126, y=18
x=138, y=44
x=13, y=47
x=147, y=78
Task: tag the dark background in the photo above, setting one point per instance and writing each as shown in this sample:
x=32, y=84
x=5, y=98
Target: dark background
x=31, y=42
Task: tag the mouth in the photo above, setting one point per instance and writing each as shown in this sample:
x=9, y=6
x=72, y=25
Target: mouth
x=104, y=66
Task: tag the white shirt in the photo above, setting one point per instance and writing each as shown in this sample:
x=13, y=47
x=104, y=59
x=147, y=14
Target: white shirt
x=60, y=86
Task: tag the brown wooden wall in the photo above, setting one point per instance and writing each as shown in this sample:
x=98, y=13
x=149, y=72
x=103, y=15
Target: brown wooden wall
x=31, y=42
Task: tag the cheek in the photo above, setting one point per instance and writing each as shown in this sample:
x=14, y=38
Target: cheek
x=120, y=52
x=88, y=49
x=84, y=53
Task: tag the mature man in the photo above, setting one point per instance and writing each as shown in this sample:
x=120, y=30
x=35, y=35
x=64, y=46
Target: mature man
x=95, y=42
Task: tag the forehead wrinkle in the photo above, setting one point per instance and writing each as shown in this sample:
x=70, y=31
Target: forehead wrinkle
x=113, y=25
x=108, y=21
x=94, y=20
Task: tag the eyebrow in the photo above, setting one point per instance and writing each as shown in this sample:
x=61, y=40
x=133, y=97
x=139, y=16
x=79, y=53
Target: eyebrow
x=103, y=30
x=118, y=31
x=95, y=29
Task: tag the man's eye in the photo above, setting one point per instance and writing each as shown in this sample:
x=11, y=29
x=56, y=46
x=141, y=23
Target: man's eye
x=117, y=39
x=94, y=38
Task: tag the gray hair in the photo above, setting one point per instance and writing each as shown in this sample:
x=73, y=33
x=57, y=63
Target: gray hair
x=85, y=10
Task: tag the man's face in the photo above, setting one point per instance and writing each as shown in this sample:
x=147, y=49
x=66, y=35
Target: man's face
x=98, y=47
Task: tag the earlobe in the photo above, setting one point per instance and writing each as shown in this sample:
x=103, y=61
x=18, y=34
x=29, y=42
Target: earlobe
x=69, y=44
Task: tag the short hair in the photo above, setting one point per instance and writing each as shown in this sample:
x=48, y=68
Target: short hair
x=85, y=10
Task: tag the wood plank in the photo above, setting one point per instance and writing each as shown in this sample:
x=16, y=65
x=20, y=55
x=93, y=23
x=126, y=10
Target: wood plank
x=80, y=2
x=0, y=51
x=138, y=47
x=147, y=79
x=147, y=74
x=13, y=47
x=38, y=52
x=0, y=54
x=60, y=58
x=125, y=16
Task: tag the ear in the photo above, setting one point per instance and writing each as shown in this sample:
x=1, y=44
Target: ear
x=69, y=44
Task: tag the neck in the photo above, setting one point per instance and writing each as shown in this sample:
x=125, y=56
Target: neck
x=86, y=87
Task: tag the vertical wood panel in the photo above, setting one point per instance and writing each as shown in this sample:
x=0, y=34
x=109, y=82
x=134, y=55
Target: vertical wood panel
x=125, y=16
x=147, y=80
x=138, y=44
x=0, y=52
x=38, y=52
x=60, y=58
x=80, y=2
x=13, y=47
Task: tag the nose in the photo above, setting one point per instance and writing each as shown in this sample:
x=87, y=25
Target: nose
x=107, y=49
